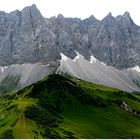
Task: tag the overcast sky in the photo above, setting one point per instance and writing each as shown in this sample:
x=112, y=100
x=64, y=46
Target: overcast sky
x=77, y=8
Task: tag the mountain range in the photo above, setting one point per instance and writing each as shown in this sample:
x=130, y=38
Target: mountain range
x=67, y=78
x=27, y=37
x=32, y=46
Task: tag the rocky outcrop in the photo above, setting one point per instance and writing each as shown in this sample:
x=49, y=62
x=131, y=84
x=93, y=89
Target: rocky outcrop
x=27, y=37
x=127, y=108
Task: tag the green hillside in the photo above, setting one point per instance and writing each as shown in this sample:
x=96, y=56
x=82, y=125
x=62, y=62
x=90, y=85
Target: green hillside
x=60, y=107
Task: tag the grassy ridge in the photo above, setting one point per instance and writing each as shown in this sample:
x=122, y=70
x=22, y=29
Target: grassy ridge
x=59, y=107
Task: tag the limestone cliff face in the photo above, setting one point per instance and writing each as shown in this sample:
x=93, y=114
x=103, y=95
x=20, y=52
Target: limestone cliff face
x=26, y=36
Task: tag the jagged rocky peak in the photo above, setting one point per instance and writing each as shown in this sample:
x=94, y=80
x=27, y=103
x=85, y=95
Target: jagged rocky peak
x=125, y=19
x=32, y=10
x=90, y=20
x=109, y=14
x=2, y=14
x=93, y=18
x=35, y=11
x=30, y=7
x=60, y=16
x=126, y=14
x=61, y=20
x=128, y=18
x=109, y=19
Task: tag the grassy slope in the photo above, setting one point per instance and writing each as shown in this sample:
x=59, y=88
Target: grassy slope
x=57, y=107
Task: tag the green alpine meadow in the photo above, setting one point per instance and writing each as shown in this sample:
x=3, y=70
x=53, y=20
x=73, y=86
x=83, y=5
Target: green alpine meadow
x=66, y=107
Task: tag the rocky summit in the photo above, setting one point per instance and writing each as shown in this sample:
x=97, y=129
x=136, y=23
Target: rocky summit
x=28, y=37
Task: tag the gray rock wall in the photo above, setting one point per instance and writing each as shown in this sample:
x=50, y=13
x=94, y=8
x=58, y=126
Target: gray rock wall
x=27, y=37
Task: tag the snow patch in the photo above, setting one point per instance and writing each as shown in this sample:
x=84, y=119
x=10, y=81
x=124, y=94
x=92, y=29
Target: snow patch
x=78, y=56
x=47, y=65
x=63, y=57
x=103, y=63
x=3, y=68
x=136, y=68
x=92, y=59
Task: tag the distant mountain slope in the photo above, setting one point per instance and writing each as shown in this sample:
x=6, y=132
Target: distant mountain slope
x=19, y=76
x=27, y=37
x=134, y=74
x=97, y=72
x=60, y=107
